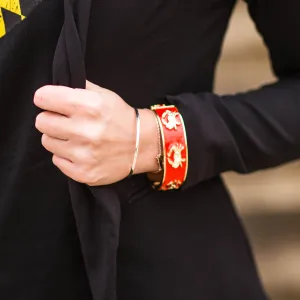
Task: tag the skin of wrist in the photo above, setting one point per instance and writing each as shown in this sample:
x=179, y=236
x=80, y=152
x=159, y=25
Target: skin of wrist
x=148, y=148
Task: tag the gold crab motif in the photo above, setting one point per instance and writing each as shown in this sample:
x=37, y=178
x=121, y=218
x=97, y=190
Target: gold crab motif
x=169, y=119
x=174, y=185
x=175, y=151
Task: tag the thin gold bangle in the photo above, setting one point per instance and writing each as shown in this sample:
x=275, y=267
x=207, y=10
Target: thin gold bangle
x=137, y=142
x=158, y=157
x=156, y=185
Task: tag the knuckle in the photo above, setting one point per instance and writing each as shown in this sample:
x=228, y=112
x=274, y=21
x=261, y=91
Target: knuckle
x=79, y=132
x=54, y=160
x=81, y=156
x=44, y=140
x=39, y=120
x=86, y=158
x=91, y=179
x=94, y=137
x=80, y=178
x=91, y=105
x=89, y=135
x=94, y=107
x=43, y=121
x=87, y=176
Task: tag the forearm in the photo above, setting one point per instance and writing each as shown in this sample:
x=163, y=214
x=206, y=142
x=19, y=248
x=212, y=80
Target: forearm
x=242, y=133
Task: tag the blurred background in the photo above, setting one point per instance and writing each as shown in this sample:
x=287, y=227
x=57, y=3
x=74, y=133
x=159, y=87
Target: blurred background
x=268, y=201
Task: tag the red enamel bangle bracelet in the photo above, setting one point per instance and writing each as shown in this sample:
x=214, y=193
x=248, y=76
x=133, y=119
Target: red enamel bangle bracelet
x=174, y=144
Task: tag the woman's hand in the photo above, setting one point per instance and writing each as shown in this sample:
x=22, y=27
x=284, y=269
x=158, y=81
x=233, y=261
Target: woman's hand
x=92, y=133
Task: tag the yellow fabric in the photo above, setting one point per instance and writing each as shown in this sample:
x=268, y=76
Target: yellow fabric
x=12, y=6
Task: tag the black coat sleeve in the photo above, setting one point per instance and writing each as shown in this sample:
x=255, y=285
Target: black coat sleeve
x=254, y=130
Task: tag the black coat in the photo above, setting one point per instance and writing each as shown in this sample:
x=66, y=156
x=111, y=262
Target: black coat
x=127, y=241
x=40, y=255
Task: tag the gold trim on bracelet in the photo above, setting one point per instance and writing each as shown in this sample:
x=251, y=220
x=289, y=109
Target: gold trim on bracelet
x=187, y=148
x=163, y=154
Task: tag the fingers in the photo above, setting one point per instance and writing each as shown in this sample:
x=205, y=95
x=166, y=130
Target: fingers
x=57, y=99
x=56, y=146
x=54, y=125
x=67, y=167
x=66, y=101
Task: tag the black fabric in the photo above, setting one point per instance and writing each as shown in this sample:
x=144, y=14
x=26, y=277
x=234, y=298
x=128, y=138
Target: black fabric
x=62, y=240
x=254, y=130
x=40, y=254
x=15, y=11
x=10, y=19
x=190, y=244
